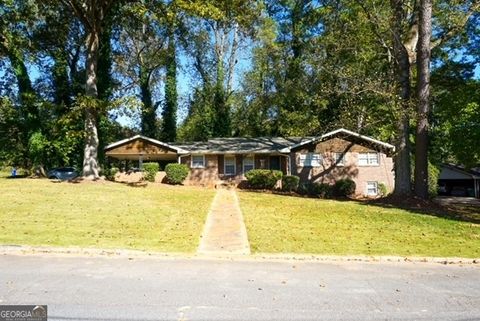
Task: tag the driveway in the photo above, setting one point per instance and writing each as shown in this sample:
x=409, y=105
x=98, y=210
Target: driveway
x=457, y=200
x=76, y=288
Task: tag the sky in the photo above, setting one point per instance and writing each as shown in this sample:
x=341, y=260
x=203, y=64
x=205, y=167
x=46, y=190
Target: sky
x=186, y=81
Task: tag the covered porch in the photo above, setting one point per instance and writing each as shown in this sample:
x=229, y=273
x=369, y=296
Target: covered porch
x=139, y=149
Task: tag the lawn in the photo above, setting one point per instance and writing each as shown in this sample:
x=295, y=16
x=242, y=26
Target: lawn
x=102, y=214
x=277, y=223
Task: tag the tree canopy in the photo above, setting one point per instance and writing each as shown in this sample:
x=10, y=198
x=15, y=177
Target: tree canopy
x=76, y=75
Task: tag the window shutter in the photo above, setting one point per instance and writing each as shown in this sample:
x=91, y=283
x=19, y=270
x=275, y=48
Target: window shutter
x=221, y=160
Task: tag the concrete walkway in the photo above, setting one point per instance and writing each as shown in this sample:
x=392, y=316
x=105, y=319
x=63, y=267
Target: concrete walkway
x=224, y=232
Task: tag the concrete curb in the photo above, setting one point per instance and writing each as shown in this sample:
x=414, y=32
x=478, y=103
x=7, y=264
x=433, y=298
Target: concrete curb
x=269, y=257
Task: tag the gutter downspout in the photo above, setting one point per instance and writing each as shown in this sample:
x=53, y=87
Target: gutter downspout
x=289, y=167
x=179, y=158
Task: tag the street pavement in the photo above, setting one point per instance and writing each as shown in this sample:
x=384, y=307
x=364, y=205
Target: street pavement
x=119, y=288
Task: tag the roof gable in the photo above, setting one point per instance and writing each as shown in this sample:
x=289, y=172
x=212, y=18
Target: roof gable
x=147, y=139
x=342, y=132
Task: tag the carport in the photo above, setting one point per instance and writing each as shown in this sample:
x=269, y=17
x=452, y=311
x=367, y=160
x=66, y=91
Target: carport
x=456, y=179
x=140, y=148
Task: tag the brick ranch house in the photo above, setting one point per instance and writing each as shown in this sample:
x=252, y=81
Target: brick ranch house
x=326, y=158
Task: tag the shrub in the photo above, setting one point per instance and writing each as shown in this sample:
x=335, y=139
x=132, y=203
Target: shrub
x=263, y=178
x=111, y=172
x=382, y=189
x=304, y=188
x=290, y=183
x=433, y=174
x=150, y=171
x=321, y=190
x=345, y=187
x=176, y=173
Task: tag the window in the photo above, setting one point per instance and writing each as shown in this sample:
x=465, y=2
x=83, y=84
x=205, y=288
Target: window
x=339, y=159
x=198, y=161
x=248, y=163
x=229, y=165
x=372, y=188
x=368, y=159
x=310, y=160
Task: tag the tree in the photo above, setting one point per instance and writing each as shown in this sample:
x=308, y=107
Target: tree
x=451, y=18
x=92, y=15
x=423, y=96
x=222, y=25
x=169, y=113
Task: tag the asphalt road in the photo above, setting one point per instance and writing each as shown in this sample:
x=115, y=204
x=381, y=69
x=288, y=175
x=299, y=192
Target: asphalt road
x=76, y=288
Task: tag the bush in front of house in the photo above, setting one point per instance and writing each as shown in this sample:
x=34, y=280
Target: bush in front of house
x=263, y=178
x=304, y=188
x=345, y=187
x=322, y=190
x=290, y=183
x=382, y=189
x=176, y=173
x=111, y=172
x=150, y=171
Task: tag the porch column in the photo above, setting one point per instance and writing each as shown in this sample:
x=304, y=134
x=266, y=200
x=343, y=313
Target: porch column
x=140, y=161
x=475, y=185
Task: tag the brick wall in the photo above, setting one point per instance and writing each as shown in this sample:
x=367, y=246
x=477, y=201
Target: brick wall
x=329, y=172
x=206, y=176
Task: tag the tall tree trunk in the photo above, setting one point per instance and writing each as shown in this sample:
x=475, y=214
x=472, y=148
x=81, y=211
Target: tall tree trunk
x=61, y=81
x=423, y=95
x=148, y=115
x=221, y=126
x=402, y=72
x=90, y=156
x=169, y=114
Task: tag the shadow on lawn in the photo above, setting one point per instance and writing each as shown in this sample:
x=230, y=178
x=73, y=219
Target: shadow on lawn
x=457, y=212
x=80, y=180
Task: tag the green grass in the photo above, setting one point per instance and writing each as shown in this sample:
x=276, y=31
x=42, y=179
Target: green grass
x=286, y=224
x=102, y=214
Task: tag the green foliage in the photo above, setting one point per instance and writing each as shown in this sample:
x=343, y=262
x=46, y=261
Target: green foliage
x=322, y=190
x=176, y=173
x=344, y=187
x=263, y=178
x=150, y=170
x=199, y=124
x=433, y=174
x=39, y=148
x=290, y=183
x=111, y=172
x=169, y=113
x=382, y=189
x=12, y=148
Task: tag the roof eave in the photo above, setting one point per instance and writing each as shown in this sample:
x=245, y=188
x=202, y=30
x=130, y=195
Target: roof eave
x=151, y=140
x=346, y=131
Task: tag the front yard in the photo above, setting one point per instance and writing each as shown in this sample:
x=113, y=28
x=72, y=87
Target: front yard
x=102, y=214
x=170, y=218
x=283, y=224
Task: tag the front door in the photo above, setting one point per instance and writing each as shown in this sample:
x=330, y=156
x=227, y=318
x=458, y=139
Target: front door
x=275, y=162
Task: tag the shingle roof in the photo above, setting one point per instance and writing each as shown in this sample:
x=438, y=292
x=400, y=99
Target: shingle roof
x=342, y=132
x=242, y=145
x=474, y=171
x=255, y=145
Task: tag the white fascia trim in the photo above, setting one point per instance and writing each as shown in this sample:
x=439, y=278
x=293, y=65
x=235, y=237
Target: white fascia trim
x=340, y=130
x=154, y=141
